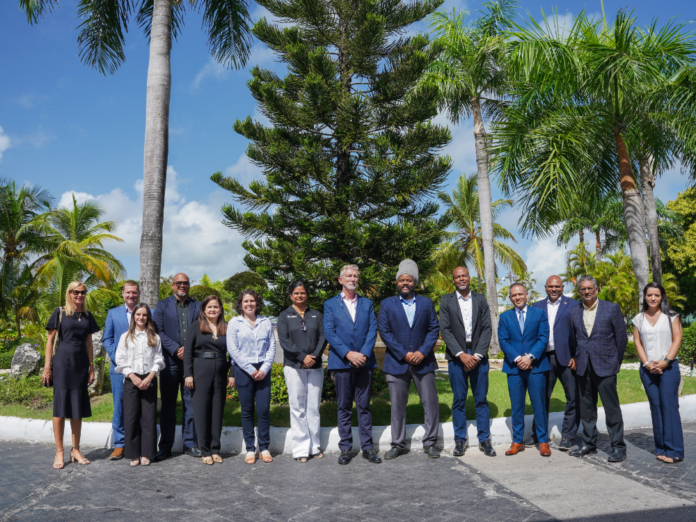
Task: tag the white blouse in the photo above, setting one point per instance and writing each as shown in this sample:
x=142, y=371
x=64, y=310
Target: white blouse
x=657, y=339
x=136, y=356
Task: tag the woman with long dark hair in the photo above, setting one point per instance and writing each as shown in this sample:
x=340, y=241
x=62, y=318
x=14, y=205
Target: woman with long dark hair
x=206, y=371
x=139, y=358
x=657, y=332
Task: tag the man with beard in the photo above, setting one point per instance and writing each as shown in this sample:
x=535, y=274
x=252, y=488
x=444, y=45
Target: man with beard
x=409, y=328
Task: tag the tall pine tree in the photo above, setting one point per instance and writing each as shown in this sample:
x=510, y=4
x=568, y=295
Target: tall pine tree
x=351, y=161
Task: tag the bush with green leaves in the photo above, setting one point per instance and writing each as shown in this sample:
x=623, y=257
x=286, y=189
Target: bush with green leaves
x=27, y=391
x=687, y=352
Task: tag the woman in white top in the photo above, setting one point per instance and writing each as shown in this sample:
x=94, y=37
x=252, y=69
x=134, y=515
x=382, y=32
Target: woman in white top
x=657, y=332
x=139, y=359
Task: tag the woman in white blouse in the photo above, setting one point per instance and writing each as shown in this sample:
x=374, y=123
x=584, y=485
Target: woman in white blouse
x=251, y=344
x=657, y=332
x=139, y=359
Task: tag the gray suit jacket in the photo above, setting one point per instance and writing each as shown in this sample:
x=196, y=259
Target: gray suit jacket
x=452, y=325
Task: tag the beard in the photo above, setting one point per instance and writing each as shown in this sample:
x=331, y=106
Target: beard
x=463, y=287
x=351, y=285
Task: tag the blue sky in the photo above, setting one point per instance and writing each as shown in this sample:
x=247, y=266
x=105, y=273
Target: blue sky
x=69, y=129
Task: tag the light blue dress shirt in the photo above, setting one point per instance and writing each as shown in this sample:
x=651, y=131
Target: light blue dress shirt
x=248, y=345
x=409, y=308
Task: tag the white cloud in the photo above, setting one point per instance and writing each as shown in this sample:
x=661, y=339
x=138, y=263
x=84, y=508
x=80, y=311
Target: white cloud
x=212, y=69
x=5, y=142
x=29, y=100
x=244, y=170
x=545, y=258
x=37, y=139
x=260, y=55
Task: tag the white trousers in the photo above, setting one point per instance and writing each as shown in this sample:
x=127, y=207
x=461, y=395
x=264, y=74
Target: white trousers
x=304, y=393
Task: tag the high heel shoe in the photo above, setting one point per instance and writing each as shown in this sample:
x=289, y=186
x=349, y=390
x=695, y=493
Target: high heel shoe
x=73, y=458
x=59, y=465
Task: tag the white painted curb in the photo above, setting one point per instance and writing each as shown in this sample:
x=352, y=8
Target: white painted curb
x=98, y=434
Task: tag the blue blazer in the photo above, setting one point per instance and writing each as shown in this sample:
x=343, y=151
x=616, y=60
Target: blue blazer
x=400, y=338
x=563, y=342
x=167, y=322
x=344, y=335
x=533, y=340
x=607, y=343
x=116, y=325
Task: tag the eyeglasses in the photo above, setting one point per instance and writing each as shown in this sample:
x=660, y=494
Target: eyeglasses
x=79, y=292
x=181, y=283
x=587, y=290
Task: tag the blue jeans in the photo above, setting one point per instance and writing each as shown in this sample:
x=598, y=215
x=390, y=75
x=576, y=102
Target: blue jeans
x=518, y=386
x=117, y=419
x=459, y=380
x=254, y=396
x=663, y=395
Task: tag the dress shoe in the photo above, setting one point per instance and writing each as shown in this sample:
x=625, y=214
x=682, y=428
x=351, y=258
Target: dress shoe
x=544, y=449
x=582, y=451
x=393, y=453
x=163, y=455
x=486, y=448
x=345, y=457
x=459, y=448
x=432, y=452
x=371, y=456
x=617, y=455
x=566, y=444
x=515, y=449
x=193, y=452
x=117, y=454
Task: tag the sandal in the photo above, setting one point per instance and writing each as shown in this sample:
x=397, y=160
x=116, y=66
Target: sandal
x=207, y=460
x=59, y=465
x=660, y=457
x=217, y=458
x=251, y=457
x=319, y=455
x=135, y=462
x=301, y=460
x=672, y=460
x=266, y=456
x=73, y=458
x=144, y=461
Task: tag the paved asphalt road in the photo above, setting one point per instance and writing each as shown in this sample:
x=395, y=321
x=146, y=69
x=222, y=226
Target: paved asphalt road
x=412, y=487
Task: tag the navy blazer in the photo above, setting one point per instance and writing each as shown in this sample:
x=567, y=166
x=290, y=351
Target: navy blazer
x=116, y=325
x=400, y=338
x=533, y=340
x=167, y=322
x=563, y=342
x=606, y=345
x=344, y=335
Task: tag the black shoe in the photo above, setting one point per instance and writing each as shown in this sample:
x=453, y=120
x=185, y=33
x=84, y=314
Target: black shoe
x=393, y=453
x=163, y=455
x=345, y=457
x=582, y=451
x=432, y=452
x=617, y=455
x=193, y=452
x=371, y=456
x=459, y=448
x=486, y=448
x=566, y=444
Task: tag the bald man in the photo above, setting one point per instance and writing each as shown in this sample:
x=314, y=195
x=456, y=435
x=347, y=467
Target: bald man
x=560, y=352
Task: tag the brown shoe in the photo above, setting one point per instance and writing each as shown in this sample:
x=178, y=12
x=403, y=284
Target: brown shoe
x=544, y=450
x=515, y=449
x=117, y=454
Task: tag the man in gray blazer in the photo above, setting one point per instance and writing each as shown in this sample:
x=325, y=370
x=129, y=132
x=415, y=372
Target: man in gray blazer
x=465, y=326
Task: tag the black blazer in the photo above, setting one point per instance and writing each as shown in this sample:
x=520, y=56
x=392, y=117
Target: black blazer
x=564, y=343
x=199, y=342
x=295, y=343
x=452, y=325
x=167, y=322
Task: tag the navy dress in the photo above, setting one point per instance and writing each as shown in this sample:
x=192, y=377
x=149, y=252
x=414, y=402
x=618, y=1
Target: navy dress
x=71, y=364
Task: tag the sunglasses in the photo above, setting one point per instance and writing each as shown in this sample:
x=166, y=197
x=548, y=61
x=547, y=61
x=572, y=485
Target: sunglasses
x=181, y=283
x=79, y=292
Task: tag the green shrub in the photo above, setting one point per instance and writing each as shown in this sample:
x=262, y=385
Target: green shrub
x=200, y=292
x=27, y=391
x=687, y=352
x=6, y=360
x=630, y=352
x=442, y=348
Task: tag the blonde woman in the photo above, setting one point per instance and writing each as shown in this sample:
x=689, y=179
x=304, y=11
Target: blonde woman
x=70, y=368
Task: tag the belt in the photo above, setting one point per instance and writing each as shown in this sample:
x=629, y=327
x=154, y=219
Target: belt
x=210, y=355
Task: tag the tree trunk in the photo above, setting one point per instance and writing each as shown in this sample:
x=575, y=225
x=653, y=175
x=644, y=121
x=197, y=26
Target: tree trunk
x=633, y=216
x=647, y=181
x=598, y=245
x=582, y=236
x=19, y=327
x=486, y=211
x=159, y=82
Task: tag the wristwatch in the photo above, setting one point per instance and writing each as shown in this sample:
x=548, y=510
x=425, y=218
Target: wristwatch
x=668, y=360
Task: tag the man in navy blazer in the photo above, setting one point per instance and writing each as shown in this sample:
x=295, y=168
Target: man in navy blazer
x=561, y=354
x=350, y=328
x=409, y=328
x=117, y=323
x=523, y=333
x=600, y=332
x=173, y=318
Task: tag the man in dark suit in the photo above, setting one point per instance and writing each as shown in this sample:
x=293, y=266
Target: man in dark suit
x=523, y=333
x=561, y=354
x=465, y=326
x=173, y=318
x=600, y=332
x=350, y=327
x=409, y=328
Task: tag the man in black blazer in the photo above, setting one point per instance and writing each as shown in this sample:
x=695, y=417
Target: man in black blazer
x=560, y=352
x=600, y=333
x=465, y=327
x=173, y=318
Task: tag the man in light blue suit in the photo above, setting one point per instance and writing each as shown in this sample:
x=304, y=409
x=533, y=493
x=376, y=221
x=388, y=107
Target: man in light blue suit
x=117, y=323
x=523, y=333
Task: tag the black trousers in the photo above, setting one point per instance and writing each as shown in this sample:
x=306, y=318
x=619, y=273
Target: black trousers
x=140, y=419
x=590, y=386
x=208, y=399
x=571, y=417
x=354, y=384
x=171, y=381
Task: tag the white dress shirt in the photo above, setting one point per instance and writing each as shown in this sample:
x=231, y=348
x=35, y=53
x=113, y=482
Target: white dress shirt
x=137, y=356
x=552, y=309
x=129, y=314
x=466, y=308
x=351, y=304
x=517, y=318
x=248, y=346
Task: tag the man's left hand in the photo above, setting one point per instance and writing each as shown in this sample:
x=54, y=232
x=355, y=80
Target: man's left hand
x=572, y=364
x=524, y=363
x=416, y=358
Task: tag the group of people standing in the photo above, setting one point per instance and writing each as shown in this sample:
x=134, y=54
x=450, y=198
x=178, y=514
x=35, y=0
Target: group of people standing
x=197, y=354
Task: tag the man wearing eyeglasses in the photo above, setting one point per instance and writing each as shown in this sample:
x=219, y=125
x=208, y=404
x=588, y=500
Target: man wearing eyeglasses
x=173, y=318
x=600, y=332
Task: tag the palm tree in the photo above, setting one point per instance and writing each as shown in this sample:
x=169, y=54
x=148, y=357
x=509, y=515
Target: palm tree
x=579, y=262
x=470, y=77
x=100, y=45
x=22, y=294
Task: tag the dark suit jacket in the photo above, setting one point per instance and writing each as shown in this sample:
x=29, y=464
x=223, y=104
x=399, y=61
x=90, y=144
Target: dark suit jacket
x=533, y=340
x=345, y=336
x=606, y=345
x=400, y=338
x=563, y=343
x=452, y=325
x=199, y=342
x=167, y=322
x=297, y=344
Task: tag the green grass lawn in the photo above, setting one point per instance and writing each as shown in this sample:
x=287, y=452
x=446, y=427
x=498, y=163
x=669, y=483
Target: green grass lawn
x=498, y=398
